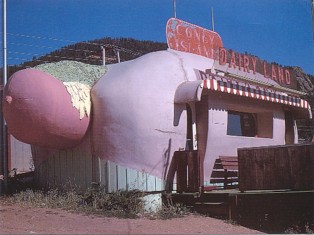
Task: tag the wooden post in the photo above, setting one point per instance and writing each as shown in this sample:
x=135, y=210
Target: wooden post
x=103, y=55
x=225, y=178
x=182, y=173
x=193, y=171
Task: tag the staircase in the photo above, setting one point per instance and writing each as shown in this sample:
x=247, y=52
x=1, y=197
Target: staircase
x=210, y=203
x=213, y=204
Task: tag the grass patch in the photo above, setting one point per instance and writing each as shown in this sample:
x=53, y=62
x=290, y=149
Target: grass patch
x=300, y=229
x=121, y=204
x=50, y=199
x=171, y=210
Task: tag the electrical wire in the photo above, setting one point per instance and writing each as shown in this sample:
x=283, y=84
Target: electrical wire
x=32, y=45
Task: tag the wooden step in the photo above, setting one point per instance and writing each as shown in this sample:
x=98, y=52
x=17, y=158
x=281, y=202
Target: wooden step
x=212, y=208
x=210, y=203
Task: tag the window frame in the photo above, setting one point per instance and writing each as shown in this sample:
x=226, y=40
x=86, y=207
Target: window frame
x=246, y=124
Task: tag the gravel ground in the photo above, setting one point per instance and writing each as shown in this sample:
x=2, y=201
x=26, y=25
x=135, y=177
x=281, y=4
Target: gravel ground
x=18, y=219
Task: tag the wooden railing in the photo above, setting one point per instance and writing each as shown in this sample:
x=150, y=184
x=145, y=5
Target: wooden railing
x=186, y=166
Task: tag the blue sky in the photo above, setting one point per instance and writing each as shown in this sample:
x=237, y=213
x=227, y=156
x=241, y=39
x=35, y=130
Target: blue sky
x=274, y=30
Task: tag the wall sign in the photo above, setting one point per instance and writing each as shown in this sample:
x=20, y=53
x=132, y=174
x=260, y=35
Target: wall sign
x=186, y=37
x=235, y=62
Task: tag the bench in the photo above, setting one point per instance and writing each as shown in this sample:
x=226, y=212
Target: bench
x=225, y=172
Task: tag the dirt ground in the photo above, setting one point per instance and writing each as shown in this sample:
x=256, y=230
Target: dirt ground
x=18, y=219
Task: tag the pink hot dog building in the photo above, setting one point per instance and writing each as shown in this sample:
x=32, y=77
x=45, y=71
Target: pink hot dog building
x=196, y=98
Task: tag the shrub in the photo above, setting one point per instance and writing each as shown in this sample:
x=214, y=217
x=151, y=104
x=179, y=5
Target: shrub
x=122, y=204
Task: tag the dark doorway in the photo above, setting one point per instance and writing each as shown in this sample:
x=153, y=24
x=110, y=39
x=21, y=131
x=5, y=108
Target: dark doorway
x=289, y=128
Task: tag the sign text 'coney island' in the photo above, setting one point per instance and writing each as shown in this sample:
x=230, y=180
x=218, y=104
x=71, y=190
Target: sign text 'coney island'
x=186, y=37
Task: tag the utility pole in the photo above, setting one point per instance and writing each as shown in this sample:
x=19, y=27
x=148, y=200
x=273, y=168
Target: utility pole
x=313, y=19
x=4, y=136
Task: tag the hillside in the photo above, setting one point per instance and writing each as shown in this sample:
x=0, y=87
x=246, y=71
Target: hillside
x=91, y=52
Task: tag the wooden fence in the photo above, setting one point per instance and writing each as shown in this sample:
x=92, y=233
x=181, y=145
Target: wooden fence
x=277, y=167
x=81, y=169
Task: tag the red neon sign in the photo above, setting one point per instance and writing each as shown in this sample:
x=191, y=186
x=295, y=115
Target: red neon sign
x=186, y=37
x=246, y=63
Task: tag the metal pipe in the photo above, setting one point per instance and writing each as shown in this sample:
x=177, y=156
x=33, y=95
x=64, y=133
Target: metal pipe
x=4, y=149
x=175, y=8
x=213, y=23
x=4, y=42
x=313, y=18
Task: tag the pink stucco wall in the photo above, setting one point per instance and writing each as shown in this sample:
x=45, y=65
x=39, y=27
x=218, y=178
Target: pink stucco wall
x=220, y=144
x=136, y=123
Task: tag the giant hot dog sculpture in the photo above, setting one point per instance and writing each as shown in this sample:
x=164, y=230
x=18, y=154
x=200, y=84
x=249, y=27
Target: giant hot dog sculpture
x=41, y=110
x=135, y=122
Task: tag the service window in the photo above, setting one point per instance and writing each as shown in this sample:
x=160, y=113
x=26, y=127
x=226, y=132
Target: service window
x=250, y=124
x=241, y=124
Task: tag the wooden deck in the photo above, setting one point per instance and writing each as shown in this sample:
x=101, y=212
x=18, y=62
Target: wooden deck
x=276, y=188
x=268, y=210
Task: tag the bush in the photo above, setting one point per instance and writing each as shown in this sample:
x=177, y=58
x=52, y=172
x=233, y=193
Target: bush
x=121, y=204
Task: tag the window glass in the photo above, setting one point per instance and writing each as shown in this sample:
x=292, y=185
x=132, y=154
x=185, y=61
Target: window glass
x=241, y=124
x=234, y=124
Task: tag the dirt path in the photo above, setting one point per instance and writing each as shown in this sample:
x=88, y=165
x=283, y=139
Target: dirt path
x=17, y=219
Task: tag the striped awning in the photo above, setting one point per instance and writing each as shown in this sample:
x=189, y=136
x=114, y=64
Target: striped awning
x=252, y=91
x=192, y=90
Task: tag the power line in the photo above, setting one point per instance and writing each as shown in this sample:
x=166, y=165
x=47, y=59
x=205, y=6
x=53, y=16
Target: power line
x=111, y=46
x=21, y=54
x=52, y=57
x=40, y=37
x=31, y=45
x=54, y=48
x=32, y=37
